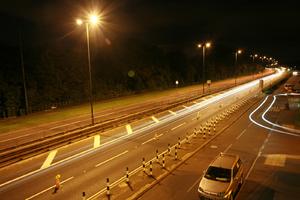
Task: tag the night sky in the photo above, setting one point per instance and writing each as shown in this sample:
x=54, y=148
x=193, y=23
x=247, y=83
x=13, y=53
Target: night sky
x=271, y=28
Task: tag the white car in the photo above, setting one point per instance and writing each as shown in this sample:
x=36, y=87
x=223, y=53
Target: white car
x=222, y=179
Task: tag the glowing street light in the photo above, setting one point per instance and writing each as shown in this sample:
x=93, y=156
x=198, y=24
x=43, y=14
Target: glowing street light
x=239, y=51
x=91, y=20
x=203, y=46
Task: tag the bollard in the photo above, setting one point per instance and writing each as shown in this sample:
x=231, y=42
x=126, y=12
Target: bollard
x=187, y=138
x=57, y=183
x=127, y=175
x=214, y=128
x=83, y=195
x=150, y=168
x=179, y=143
x=157, y=160
x=204, y=136
x=144, y=165
x=107, y=187
x=169, y=149
x=209, y=131
x=195, y=133
x=176, y=157
x=163, y=161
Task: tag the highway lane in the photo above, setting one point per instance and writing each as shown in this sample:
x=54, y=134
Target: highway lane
x=20, y=136
x=84, y=167
x=271, y=159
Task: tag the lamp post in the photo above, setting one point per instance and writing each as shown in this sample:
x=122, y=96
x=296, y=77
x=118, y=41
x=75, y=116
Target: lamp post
x=236, y=60
x=203, y=46
x=92, y=20
x=253, y=57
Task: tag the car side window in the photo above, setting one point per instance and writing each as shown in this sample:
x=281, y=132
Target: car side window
x=236, y=168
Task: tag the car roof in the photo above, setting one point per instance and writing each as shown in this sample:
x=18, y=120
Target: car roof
x=225, y=160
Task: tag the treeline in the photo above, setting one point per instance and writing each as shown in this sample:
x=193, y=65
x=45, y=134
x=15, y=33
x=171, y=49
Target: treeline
x=57, y=73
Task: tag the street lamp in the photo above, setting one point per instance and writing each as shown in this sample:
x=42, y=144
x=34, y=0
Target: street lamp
x=203, y=46
x=93, y=20
x=236, y=60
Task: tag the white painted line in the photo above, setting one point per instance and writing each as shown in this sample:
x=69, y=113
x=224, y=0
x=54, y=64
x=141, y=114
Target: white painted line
x=154, y=138
x=148, y=141
x=173, y=113
x=116, y=156
x=96, y=141
x=49, y=159
x=258, y=155
x=277, y=160
x=227, y=148
x=155, y=119
x=128, y=128
x=238, y=137
x=41, y=192
x=195, y=183
x=195, y=102
x=177, y=126
x=185, y=106
x=251, y=168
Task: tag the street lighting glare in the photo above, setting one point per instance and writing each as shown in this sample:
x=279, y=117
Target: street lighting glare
x=199, y=45
x=94, y=19
x=255, y=55
x=208, y=44
x=79, y=22
x=239, y=51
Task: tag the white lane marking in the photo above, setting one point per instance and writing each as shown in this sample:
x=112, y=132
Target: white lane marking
x=185, y=106
x=249, y=125
x=227, y=148
x=154, y=138
x=273, y=124
x=263, y=126
x=195, y=102
x=49, y=159
x=195, y=183
x=238, y=137
x=116, y=156
x=155, y=119
x=277, y=160
x=178, y=126
x=41, y=192
x=128, y=128
x=258, y=155
x=173, y=113
x=96, y=141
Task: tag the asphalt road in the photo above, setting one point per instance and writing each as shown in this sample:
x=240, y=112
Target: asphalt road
x=18, y=137
x=271, y=158
x=88, y=170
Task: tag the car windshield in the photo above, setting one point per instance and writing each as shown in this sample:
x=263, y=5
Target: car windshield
x=218, y=174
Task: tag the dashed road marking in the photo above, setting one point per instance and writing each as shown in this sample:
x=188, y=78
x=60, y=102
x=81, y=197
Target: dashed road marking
x=173, y=113
x=240, y=134
x=49, y=159
x=128, y=128
x=155, y=119
x=41, y=192
x=195, y=183
x=227, y=148
x=277, y=160
x=110, y=159
x=172, y=129
x=96, y=141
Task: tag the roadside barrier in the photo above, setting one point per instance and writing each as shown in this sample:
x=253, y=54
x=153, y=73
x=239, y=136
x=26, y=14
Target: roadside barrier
x=157, y=159
x=169, y=149
x=179, y=142
x=83, y=196
x=163, y=161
